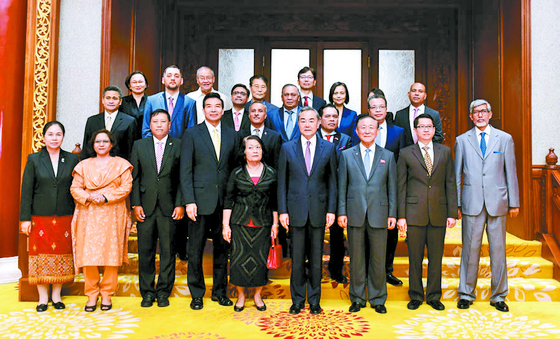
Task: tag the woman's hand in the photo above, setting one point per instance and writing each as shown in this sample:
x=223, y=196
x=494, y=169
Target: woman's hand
x=274, y=231
x=26, y=227
x=226, y=233
x=96, y=198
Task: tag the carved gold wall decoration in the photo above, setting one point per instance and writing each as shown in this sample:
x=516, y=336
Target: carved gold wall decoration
x=41, y=71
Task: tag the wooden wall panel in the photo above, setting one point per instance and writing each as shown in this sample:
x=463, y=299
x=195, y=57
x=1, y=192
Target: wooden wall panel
x=121, y=42
x=146, y=56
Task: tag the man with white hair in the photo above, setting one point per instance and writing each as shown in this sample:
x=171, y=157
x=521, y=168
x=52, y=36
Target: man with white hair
x=205, y=79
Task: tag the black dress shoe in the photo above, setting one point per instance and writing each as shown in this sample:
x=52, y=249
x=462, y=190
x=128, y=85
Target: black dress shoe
x=148, y=300
x=196, y=304
x=59, y=305
x=296, y=308
x=162, y=301
x=414, y=304
x=500, y=306
x=391, y=279
x=222, y=300
x=238, y=309
x=436, y=305
x=261, y=308
x=463, y=304
x=183, y=257
x=356, y=307
x=379, y=308
x=315, y=309
x=41, y=307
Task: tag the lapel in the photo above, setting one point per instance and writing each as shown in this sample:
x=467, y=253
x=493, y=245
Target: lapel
x=47, y=165
x=208, y=140
x=118, y=121
x=359, y=161
x=319, y=149
x=420, y=157
x=61, y=165
x=264, y=134
x=437, y=156
x=280, y=124
x=336, y=139
x=473, y=140
x=166, y=153
x=376, y=161
x=152, y=154
x=178, y=106
x=492, y=142
x=298, y=150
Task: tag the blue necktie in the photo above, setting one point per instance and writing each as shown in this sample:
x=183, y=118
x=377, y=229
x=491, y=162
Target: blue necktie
x=483, y=144
x=290, y=124
x=378, y=138
x=367, y=163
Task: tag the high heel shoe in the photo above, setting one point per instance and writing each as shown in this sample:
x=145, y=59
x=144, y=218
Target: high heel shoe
x=59, y=305
x=106, y=307
x=91, y=308
x=41, y=307
x=261, y=308
x=238, y=308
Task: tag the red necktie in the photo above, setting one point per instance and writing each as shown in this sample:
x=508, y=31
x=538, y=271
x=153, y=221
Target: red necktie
x=329, y=137
x=306, y=103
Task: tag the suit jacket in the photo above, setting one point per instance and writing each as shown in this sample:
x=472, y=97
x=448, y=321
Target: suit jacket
x=124, y=129
x=307, y=196
x=490, y=181
x=348, y=124
x=203, y=176
x=227, y=119
x=184, y=114
x=402, y=119
x=276, y=122
x=272, y=145
x=150, y=188
x=359, y=196
x=340, y=142
x=395, y=139
x=426, y=198
x=249, y=201
x=43, y=193
x=269, y=107
x=318, y=102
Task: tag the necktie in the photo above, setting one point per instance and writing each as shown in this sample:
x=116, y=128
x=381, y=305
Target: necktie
x=427, y=160
x=306, y=103
x=159, y=154
x=329, y=137
x=414, y=136
x=216, y=141
x=171, y=106
x=308, y=157
x=290, y=124
x=257, y=131
x=108, y=123
x=236, y=121
x=483, y=143
x=378, y=137
x=367, y=163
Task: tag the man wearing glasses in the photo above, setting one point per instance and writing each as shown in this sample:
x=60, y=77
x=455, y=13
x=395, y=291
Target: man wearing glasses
x=237, y=117
x=205, y=79
x=427, y=205
x=486, y=157
x=307, y=81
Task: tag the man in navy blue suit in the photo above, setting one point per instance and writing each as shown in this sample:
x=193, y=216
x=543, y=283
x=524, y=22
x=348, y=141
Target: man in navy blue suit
x=181, y=108
x=341, y=141
x=307, y=193
x=307, y=79
x=285, y=119
x=390, y=137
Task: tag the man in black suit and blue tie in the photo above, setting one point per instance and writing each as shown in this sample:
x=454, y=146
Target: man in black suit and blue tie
x=157, y=203
x=390, y=137
x=208, y=155
x=307, y=191
x=307, y=79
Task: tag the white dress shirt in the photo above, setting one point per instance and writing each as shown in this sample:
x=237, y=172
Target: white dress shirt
x=198, y=96
x=211, y=129
x=382, y=134
x=311, y=147
x=109, y=124
x=421, y=110
x=325, y=133
x=487, y=130
x=371, y=154
x=260, y=133
x=430, y=150
x=156, y=141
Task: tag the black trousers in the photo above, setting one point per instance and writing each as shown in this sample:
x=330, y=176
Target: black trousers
x=433, y=238
x=207, y=226
x=181, y=237
x=306, y=242
x=392, y=241
x=156, y=226
x=337, y=250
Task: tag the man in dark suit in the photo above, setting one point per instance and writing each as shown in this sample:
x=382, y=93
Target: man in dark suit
x=122, y=125
x=328, y=132
x=390, y=137
x=181, y=108
x=427, y=205
x=157, y=203
x=208, y=155
x=405, y=117
x=259, y=89
x=271, y=139
x=285, y=119
x=307, y=81
x=238, y=117
x=367, y=203
x=307, y=204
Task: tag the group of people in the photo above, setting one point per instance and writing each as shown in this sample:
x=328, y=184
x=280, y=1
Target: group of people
x=240, y=173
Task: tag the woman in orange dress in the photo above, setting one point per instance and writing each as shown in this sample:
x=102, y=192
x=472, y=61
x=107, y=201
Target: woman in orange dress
x=101, y=222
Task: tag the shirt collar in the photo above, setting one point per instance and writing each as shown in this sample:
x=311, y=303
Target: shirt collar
x=430, y=145
x=323, y=132
x=164, y=140
x=363, y=148
x=211, y=127
x=487, y=130
x=114, y=114
x=313, y=140
x=383, y=125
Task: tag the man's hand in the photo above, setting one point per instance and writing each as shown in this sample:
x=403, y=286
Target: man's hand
x=460, y=215
x=178, y=213
x=401, y=224
x=192, y=211
x=513, y=212
x=285, y=221
x=330, y=220
x=451, y=222
x=391, y=222
x=343, y=221
x=226, y=233
x=139, y=213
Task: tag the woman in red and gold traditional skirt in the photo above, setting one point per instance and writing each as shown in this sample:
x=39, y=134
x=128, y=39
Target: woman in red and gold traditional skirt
x=46, y=214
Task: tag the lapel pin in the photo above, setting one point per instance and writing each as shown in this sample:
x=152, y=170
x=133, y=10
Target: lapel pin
x=62, y=160
x=170, y=143
x=382, y=161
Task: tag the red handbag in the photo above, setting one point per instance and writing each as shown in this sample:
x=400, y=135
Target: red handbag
x=274, y=260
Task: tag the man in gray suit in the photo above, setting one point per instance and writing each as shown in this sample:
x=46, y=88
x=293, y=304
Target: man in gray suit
x=367, y=203
x=486, y=157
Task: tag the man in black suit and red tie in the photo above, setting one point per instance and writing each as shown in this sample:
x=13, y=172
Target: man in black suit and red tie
x=158, y=204
x=238, y=117
x=209, y=152
x=122, y=125
x=307, y=79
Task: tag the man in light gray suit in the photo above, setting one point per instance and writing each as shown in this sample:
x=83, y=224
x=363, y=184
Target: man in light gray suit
x=367, y=203
x=486, y=157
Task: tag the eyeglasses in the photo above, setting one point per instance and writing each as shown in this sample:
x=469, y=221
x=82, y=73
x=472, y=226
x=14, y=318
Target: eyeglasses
x=481, y=112
x=425, y=127
x=205, y=78
x=239, y=93
x=306, y=77
x=380, y=107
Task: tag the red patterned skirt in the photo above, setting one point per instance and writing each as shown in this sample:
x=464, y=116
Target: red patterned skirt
x=50, y=250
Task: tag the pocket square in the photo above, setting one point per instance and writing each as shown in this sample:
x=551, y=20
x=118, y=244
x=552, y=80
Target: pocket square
x=497, y=151
x=382, y=161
